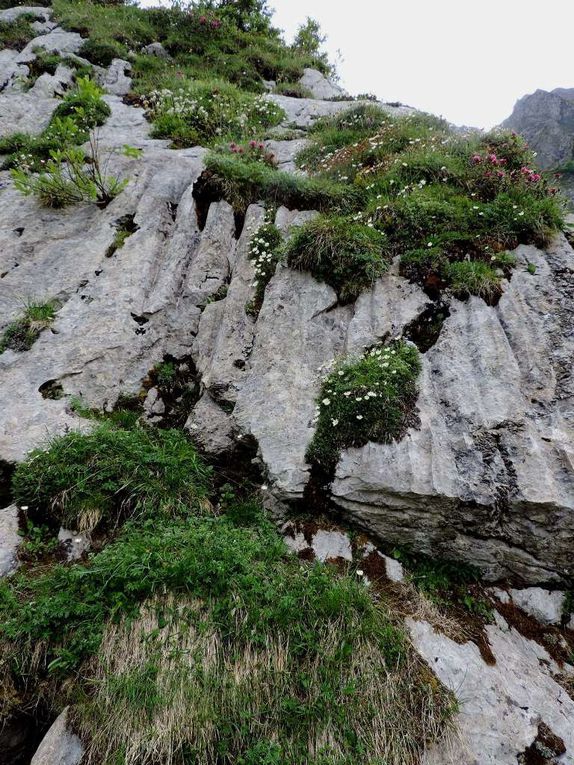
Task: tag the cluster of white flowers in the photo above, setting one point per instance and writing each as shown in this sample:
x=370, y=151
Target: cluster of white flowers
x=264, y=260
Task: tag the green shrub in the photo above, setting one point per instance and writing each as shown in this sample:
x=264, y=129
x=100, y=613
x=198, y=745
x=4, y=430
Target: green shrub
x=102, y=53
x=21, y=334
x=84, y=104
x=31, y=152
x=367, y=399
x=473, y=277
x=243, y=182
x=102, y=477
x=264, y=252
x=347, y=255
x=68, y=178
x=16, y=34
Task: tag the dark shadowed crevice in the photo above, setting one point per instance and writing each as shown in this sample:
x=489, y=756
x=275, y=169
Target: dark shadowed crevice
x=6, y=472
x=51, y=389
x=545, y=748
x=204, y=195
x=424, y=331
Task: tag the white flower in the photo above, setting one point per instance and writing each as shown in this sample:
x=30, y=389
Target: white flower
x=360, y=572
x=335, y=422
x=326, y=401
x=359, y=416
x=429, y=244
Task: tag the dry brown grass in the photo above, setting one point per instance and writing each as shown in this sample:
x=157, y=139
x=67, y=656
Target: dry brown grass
x=160, y=691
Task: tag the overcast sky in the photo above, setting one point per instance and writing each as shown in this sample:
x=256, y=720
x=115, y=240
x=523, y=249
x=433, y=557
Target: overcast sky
x=467, y=61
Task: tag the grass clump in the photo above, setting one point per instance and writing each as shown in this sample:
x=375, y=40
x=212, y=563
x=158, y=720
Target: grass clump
x=102, y=53
x=293, y=90
x=242, y=182
x=18, y=33
x=367, y=399
x=85, y=480
x=265, y=253
x=203, y=640
x=345, y=254
x=474, y=277
x=22, y=333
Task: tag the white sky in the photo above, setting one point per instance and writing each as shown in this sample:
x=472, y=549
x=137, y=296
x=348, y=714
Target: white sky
x=467, y=61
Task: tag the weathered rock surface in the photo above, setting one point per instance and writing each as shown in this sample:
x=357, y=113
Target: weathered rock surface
x=501, y=706
x=9, y=540
x=302, y=112
x=546, y=120
x=60, y=746
x=491, y=464
x=319, y=86
x=544, y=605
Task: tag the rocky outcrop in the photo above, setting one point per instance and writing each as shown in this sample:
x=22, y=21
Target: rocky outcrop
x=546, y=120
x=505, y=706
x=319, y=86
x=9, y=540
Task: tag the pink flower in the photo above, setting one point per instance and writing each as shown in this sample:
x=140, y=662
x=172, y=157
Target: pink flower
x=476, y=159
x=535, y=177
x=202, y=20
x=253, y=144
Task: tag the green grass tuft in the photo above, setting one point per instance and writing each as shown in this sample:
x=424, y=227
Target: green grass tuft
x=21, y=334
x=339, y=251
x=98, y=479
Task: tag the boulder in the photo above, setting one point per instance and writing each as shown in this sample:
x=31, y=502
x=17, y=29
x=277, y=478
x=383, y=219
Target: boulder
x=60, y=746
x=155, y=49
x=319, y=86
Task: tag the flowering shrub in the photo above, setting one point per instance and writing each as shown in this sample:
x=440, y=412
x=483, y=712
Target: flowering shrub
x=253, y=151
x=264, y=253
x=367, y=399
x=201, y=112
x=346, y=254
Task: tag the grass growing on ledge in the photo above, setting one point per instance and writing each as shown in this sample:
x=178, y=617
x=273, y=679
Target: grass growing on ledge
x=203, y=640
x=100, y=478
x=18, y=33
x=21, y=334
x=367, y=399
x=442, y=199
x=335, y=249
x=242, y=182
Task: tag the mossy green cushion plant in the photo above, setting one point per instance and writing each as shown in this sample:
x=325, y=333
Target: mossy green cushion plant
x=367, y=399
x=84, y=480
x=340, y=251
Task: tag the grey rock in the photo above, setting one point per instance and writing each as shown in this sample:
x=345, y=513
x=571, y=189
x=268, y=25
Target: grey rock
x=546, y=120
x=302, y=112
x=319, y=86
x=153, y=404
x=544, y=605
x=394, y=569
x=9, y=540
x=211, y=427
x=60, y=746
x=75, y=543
x=487, y=476
x=226, y=331
x=56, y=41
x=286, y=151
x=286, y=220
x=11, y=14
x=155, y=49
x=502, y=705
x=49, y=85
x=115, y=79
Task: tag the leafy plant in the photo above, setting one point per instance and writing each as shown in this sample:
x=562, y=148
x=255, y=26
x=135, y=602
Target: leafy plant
x=84, y=480
x=84, y=104
x=68, y=178
x=367, y=399
x=346, y=254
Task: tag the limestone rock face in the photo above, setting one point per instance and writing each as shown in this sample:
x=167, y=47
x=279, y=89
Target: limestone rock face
x=60, y=746
x=491, y=463
x=9, y=539
x=302, y=112
x=320, y=86
x=501, y=706
x=546, y=120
